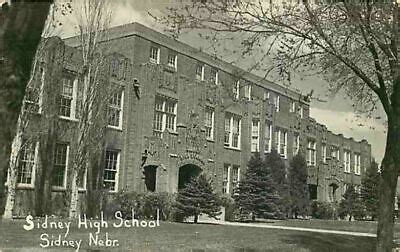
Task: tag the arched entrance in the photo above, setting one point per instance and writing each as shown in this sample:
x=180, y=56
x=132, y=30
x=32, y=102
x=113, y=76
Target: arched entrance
x=186, y=173
x=150, y=177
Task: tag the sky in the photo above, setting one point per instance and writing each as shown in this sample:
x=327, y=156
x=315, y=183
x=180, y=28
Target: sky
x=336, y=113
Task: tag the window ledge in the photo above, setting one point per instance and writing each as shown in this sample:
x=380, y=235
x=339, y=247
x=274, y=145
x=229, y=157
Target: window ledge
x=25, y=186
x=68, y=119
x=210, y=140
x=358, y=174
x=348, y=172
x=114, y=127
x=232, y=148
x=58, y=189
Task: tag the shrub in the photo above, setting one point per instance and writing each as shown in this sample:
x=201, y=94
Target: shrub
x=323, y=210
x=231, y=210
x=153, y=201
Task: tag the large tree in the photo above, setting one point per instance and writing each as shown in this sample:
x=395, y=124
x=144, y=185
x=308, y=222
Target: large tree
x=298, y=187
x=354, y=45
x=279, y=174
x=257, y=193
x=370, y=190
x=21, y=26
x=198, y=197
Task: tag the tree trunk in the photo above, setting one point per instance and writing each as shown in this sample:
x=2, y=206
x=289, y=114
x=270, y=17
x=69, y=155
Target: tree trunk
x=387, y=189
x=196, y=218
x=73, y=208
x=12, y=174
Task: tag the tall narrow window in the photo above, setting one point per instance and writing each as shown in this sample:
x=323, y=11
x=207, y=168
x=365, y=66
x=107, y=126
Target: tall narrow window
x=311, y=153
x=235, y=177
x=155, y=54
x=347, y=158
x=200, y=72
x=115, y=107
x=111, y=170
x=232, y=131
x=26, y=164
x=209, y=123
x=281, y=142
x=255, y=136
x=323, y=151
x=235, y=132
x=214, y=76
x=266, y=95
x=67, y=101
x=357, y=164
x=236, y=90
x=60, y=165
x=268, y=137
x=247, y=91
x=293, y=107
x=165, y=112
x=277, y=103
x=300, y=111
x=226, y=180
x=173, y=60
x=34, y=93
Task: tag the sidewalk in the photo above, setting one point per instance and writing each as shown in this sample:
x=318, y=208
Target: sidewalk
x=317, y=230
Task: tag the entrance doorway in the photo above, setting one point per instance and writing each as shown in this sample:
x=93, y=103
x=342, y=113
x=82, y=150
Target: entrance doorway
x=150, y=177
x=186, y=173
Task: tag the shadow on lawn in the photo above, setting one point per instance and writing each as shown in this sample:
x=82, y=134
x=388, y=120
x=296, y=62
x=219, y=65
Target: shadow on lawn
x=317, y=242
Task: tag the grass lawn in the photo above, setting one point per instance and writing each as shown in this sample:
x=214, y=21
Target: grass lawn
x=189, y=237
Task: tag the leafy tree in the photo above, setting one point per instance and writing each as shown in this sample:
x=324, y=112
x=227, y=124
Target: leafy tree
x=278, y=170
x=256, y=194
x=353, y=45
x=351, y=204
x=298, y=187
x=370, y=190
x=196, y=198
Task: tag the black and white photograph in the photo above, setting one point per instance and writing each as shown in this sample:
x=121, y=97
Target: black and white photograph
x=200, y=125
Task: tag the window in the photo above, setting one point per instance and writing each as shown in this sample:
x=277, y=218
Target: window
x=266, y=95
x=209, y=123
x=300, y=111
x=114, y=67
x=281, y=142
x=34, y=93
x=236, y=89
x=235, y=177
x=173, y=60
x=68, y=98
x=60, y=165
x=255, y=136
x=200, y=72
x=277, y=103
x=296, y=144
x=347, y=157
x=268, y=137
x=247, y=91
x=214, y=76
x=111, y=170
x=155, y=55
x=81, y=183
x=323, y=151
x=26, y=163
x=293, y=107
x=115, y=106
x=311, y=153
x=165, y=111
x=357, y=164
x=335, y=153
x=226, y=179
x=232, y=131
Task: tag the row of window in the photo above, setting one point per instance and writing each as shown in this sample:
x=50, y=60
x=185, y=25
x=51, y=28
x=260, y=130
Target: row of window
x=70, y=102
x=29, y=156
x=213, y=78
